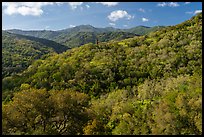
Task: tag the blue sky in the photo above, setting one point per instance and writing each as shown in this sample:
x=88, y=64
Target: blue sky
x=62, y=15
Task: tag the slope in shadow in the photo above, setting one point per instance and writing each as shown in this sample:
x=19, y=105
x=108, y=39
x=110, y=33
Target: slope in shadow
x=59, y=48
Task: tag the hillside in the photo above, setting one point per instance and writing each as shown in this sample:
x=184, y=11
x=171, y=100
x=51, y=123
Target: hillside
x=81, y=38
x=19, y=51
x=143, y=30
x=83, y=34
x=149, y=84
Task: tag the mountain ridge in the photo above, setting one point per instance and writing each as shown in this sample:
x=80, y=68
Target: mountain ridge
x=84, y=25
x=86, y=33
x=81, y=28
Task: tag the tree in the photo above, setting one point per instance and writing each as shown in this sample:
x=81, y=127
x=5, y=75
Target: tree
x=35, y=111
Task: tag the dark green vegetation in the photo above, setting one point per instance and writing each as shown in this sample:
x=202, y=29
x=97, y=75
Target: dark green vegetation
x=19, y=51
x=150, y=84
x=83, y=34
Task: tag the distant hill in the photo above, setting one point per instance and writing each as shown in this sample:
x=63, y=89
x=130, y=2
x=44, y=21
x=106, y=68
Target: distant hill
x=79, y=35
x=142, y=30
x=36, y=33
x=77, y=39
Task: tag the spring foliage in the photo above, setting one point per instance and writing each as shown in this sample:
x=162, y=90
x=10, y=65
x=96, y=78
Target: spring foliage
x=150, y=84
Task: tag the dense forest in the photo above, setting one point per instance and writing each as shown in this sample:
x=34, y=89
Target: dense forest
x=144, y=85
x=21, y=48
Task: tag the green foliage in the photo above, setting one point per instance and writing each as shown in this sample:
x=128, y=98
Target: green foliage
x=18, y=52
x=143, y=85
x=41, y=112
x=179, y=110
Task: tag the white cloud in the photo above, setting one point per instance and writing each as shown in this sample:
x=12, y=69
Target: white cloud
x=163, y=4
x=74, y=5
x=71, y=26
x=170, y=4
x=87, y=6
x=4, y=4
x=145, y=19
x=119, y=14
x=59, y=3
x=109, y=4
x=141, y=10
x=187, y=3
x=197, y=11
x=189, y=12
x=24, y=8
x=173, y=4
x=29, y=11
x=112, y=24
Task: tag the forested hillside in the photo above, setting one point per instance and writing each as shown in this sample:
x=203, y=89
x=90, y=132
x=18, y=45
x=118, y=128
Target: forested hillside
x=143, y=30
x=149, y=84
x=83, y=34
x=19, y=51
